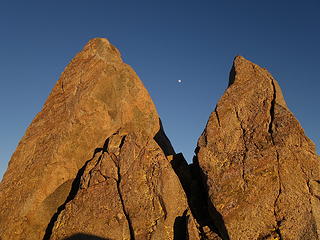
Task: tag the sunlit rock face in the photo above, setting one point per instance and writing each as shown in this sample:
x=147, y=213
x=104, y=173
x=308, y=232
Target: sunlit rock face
x=95, y=163
x=260, y=170
x=67, y=178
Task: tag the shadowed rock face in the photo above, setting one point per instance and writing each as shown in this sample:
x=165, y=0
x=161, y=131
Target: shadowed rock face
x=260, y=170
x=64, y=173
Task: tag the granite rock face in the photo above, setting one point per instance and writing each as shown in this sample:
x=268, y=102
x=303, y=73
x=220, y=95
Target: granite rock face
x=94, y=160
x=260, y=170
x=95, y=163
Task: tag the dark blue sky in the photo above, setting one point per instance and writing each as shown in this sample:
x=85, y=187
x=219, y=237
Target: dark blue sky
x=164, y=41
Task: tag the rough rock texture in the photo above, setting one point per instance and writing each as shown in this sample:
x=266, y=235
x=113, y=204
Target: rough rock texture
x=190, y=178
x=65, y=178
x=95, y=163
x=128, y=190
x=260, y=170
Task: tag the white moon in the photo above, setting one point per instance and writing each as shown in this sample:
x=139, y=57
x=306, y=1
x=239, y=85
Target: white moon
x=179, y=81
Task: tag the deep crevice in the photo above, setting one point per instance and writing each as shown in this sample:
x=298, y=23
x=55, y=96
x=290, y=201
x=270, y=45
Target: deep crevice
x=217, y=115
x=103, y=149
x=122, y=141
x=122, y=203
x=180, y=227
x=277, y=230
x=270, y=131
x=118, y=182
x=232, y=75
x=272, y=111
x=196, y=193
x=215, y=220
x=73, y=192
x=105, y=145
x=201, y=207
x=278, y=221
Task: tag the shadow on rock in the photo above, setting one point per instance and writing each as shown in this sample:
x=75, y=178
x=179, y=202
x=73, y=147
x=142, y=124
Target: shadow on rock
x=72, y=194
x=180, y=227
x=83, y=236
x=163, y=141
x=193, y=182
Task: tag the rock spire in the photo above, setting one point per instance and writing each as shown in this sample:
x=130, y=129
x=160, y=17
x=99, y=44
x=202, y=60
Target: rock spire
x=94, y=160
x=260, y=170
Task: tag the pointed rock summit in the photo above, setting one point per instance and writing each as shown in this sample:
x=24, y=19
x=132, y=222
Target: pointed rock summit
x=94, y=160
x=260, y=170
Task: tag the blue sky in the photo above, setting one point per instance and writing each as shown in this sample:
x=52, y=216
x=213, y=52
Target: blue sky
x=163, y=41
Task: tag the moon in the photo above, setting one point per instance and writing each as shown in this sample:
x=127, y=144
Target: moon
x=179, y=81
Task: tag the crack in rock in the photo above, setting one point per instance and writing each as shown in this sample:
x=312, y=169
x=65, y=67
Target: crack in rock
x=270, y=131
x=72, y=194
x=245, y=150
x=122, y=202
x=272, y=111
